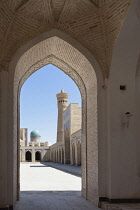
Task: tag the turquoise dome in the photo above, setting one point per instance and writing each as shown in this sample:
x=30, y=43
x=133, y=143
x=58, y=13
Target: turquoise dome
x=35, y=132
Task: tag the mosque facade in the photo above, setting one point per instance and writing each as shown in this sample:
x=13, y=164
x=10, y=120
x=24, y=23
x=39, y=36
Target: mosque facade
x=32, y=151
x=67, y=149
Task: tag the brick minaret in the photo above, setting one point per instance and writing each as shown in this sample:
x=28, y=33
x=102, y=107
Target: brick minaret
x=62, y=101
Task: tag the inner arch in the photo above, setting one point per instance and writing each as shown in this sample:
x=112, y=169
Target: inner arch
x=67, y=58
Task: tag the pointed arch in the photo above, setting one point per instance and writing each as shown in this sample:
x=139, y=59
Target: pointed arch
x=78, y=63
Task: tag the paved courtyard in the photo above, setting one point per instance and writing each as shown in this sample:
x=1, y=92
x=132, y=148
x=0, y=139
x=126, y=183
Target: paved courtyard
x=68, y=168
x=44, y=187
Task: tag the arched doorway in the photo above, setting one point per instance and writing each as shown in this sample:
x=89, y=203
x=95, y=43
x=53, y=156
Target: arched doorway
x=28, y=156
x=86, y=81
x=38, y=156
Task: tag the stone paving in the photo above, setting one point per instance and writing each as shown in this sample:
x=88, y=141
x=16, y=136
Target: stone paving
x=44, y=187
x=68, y=168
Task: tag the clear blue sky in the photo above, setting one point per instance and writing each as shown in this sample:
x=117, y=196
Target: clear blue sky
x=38, y=103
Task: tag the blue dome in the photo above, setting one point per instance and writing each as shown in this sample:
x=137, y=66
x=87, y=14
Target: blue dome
x=35, y=132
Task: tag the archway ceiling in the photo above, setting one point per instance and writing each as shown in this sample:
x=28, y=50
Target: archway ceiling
x=94, y=23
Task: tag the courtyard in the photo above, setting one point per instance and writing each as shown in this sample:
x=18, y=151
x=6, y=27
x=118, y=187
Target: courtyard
x=43, y=187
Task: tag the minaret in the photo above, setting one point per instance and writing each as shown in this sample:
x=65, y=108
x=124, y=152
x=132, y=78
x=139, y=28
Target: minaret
x=62, y=101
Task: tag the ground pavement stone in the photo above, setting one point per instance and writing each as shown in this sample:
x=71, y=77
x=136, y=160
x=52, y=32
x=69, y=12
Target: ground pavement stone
x=47, y=188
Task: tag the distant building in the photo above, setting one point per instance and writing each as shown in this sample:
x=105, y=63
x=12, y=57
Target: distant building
x=34, y=150
x=67, y=148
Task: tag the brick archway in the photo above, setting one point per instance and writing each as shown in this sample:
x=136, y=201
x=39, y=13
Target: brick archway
x=28, y=155
x=38, y=156
x=71, y=61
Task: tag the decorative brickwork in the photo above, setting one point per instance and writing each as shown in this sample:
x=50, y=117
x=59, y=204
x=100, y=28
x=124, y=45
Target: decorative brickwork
x=63, y=55
x=94, y=23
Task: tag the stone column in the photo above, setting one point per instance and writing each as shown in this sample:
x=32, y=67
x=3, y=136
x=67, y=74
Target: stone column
x=3, y=138
x=41, y=155
x=23, y=155
x=76, y=154
x=33, y=155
